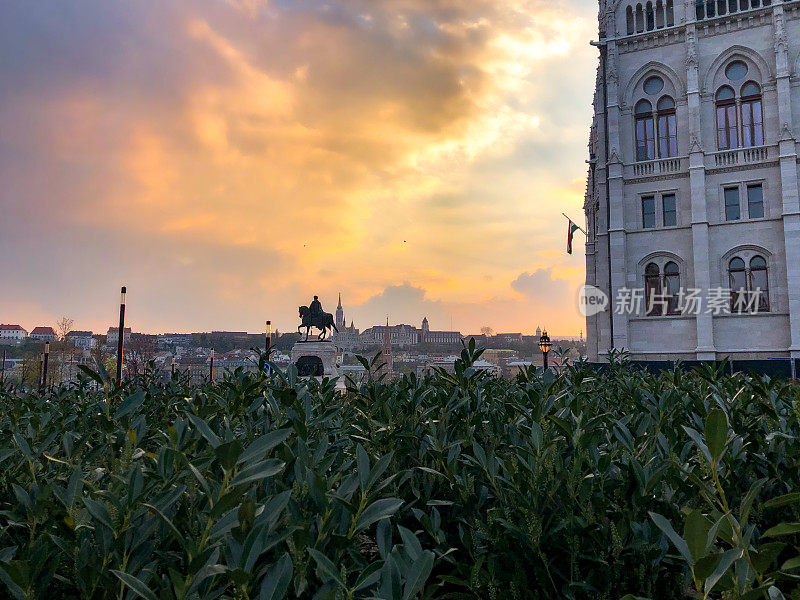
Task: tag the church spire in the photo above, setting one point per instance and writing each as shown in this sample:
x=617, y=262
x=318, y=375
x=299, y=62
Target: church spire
x=340, y=314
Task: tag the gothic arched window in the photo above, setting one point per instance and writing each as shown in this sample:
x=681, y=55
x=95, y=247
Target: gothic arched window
x=629, y=19
x=652, y=288
x=737, y=281
x=651, y=22
x=672, y=284
x=727, y=127
x=752, y=115
x=670, y=14
x=639, y=19
x=759, y=282
x=667, y=128
x=645, y=134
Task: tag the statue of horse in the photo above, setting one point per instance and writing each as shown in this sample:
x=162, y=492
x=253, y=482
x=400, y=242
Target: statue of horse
x=322, y=321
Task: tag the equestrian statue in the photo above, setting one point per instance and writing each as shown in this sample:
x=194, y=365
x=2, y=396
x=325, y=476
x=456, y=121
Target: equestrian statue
x=314, y=316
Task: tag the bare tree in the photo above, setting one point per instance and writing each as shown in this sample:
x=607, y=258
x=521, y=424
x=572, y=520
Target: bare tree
x=139, y=350
x=487, y=331
x=63, y=327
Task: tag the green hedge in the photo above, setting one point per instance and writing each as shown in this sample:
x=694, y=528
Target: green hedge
x=570, y=485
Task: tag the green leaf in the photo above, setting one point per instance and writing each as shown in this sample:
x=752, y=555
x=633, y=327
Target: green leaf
x=326, y=568
x=23, y=445
x=200, y=479
x=257, y=471
x=204, y=430
x=228, y=453
x=363, y=466
x=695, y=531
x=665, y=526
x=74, y=487
x=378, y=470
x=766, y=555
x=260, y=446
x=775, y=594
x=378, y=510
x=728, y=558
x=368, y=576
x=135, y=584
x=130, y=404
x=706, y=565
x=784, y=500
x=276, y=583
x=418, y=575
x=782, y=529
x=6, y=452
x=410, y=542
x=698, y=440
x=15, y=590
x=792, y=563
x=99, y=511
x=747, y=503
x=178, y=534
x=716, y=431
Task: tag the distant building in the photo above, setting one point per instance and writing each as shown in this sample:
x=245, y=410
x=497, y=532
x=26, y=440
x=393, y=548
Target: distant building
x=12, y=334
x=340, y=314
x=499, y=356
x=399, y=335
x=347, y=338
x=174, y=339
x=45, y=334
x=385, y=361
x=84, y=340
x=112, y=336
x=509, y=338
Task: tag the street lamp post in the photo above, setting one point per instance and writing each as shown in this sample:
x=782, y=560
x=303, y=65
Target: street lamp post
x=173, y=368
x=45, y=363
x=211, y=367
x=121, y=339
x=269, y=338
x=544, y=345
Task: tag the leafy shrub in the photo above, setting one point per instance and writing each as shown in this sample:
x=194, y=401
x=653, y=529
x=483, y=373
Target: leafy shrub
x=569, y=485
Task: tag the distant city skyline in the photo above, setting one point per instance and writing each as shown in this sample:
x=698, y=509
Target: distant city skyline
x=227, y=160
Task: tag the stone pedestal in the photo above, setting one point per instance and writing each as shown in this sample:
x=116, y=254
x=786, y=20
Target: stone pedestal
x=315, y=359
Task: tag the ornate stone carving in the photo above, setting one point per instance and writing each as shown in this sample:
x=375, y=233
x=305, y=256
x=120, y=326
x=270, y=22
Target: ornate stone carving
x=694, y=144
x=614, y=156
x=691, y=48
x=780, y=33
x=786, y=132
x=611, y=66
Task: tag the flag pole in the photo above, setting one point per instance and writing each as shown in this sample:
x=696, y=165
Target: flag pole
x=574, y=223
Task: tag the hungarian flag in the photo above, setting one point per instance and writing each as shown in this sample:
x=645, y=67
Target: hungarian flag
x=571, y=229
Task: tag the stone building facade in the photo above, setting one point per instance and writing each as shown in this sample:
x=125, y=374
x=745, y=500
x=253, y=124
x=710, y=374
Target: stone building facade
x=693, y=180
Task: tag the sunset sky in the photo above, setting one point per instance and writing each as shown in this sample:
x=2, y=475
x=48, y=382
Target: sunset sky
x=227, y=160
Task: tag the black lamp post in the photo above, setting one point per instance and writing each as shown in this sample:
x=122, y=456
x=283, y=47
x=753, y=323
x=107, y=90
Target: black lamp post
x=269, y=338
x=211, y=367
x=544, y=345
x=44, y=364
x=121, y=339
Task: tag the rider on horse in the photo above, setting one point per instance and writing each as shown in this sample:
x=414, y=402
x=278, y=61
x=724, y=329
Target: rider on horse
x=316, y=307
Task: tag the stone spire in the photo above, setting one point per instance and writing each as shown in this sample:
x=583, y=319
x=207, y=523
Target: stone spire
x=340, y=314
